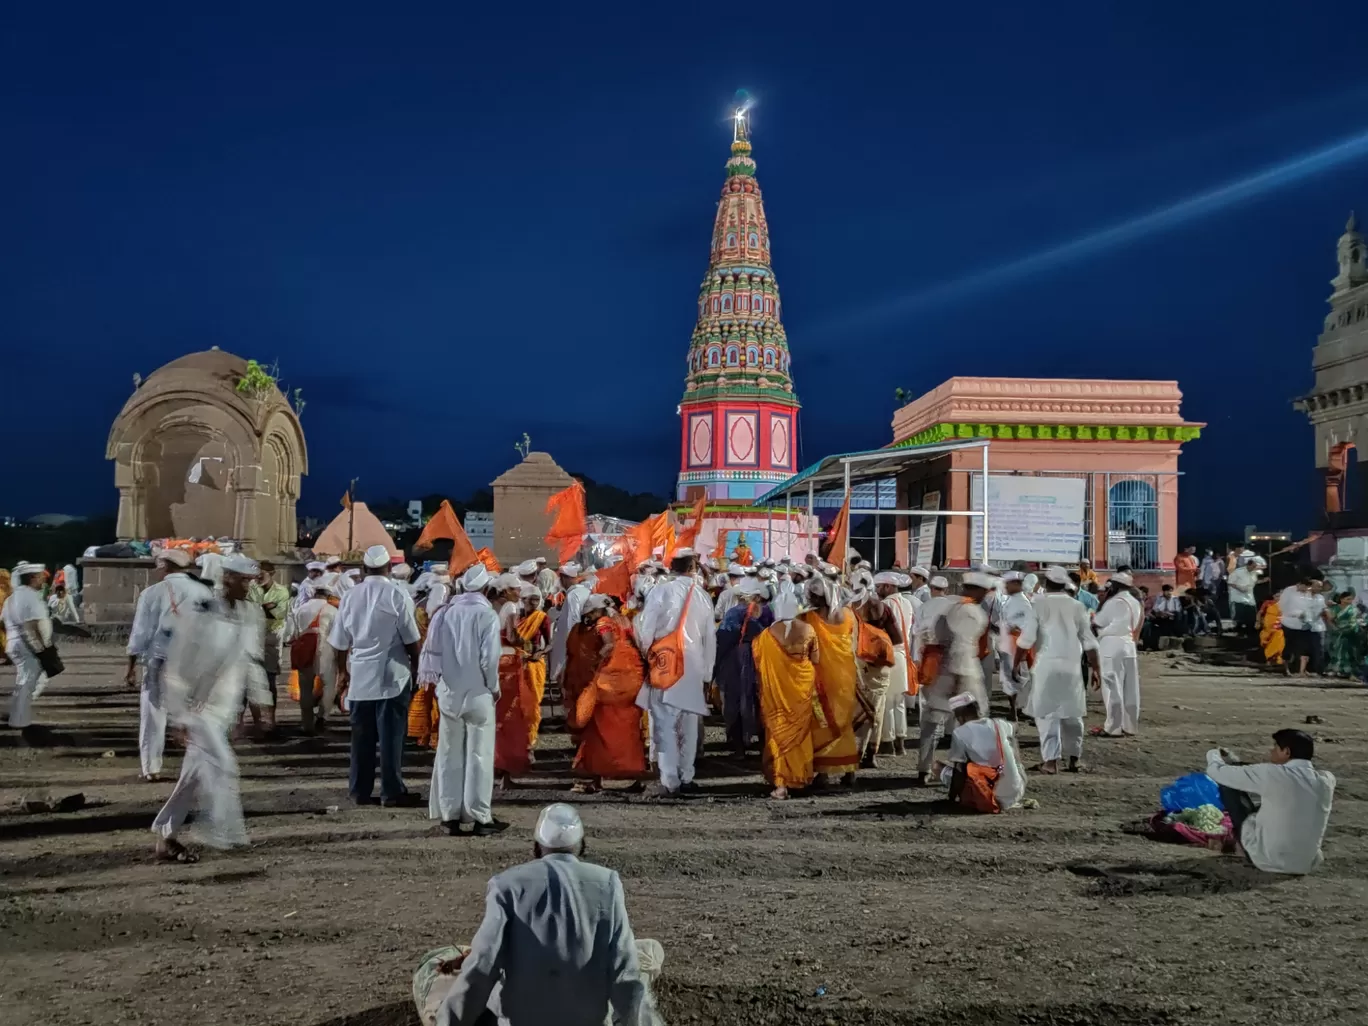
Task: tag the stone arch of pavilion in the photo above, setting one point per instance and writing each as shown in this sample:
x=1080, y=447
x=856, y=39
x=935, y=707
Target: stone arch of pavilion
x=194, y=457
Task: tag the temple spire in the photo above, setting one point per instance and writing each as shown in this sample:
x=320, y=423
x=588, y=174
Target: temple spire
x=739, y=125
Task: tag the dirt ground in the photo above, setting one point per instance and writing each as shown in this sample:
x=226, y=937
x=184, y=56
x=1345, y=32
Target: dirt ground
x=876, y=906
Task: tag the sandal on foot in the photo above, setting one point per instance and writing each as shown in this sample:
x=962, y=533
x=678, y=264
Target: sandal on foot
x=172, y=850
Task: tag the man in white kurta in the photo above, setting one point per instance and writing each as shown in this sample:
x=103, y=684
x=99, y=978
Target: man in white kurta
x=462, y=654
x=28, y=631
x=1014, y=612
x=576, y=591
x=1118, y=624
x=1059, y=638
x=313, y=571
x=922, y=588
x=952, y=627
x=215, y=659
x=886, y=585
x=986, y=742
x=375, y=636
x=154, y=623
x=677, y=711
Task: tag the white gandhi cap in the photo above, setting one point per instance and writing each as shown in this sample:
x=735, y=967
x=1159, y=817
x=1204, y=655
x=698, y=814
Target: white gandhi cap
x=559, y=828
x=376, y=556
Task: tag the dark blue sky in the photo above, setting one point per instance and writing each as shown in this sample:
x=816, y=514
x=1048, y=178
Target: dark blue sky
x=451, y=224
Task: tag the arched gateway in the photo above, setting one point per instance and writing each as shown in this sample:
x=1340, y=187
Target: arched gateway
x=196, y=457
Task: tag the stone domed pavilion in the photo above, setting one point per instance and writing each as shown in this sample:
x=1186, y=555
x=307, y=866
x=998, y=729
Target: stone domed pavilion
x=197, y=456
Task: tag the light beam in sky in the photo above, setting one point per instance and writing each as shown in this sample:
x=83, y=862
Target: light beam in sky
x=1205, y=203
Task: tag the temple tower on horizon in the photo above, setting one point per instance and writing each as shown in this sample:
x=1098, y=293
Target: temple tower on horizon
x=739, y=415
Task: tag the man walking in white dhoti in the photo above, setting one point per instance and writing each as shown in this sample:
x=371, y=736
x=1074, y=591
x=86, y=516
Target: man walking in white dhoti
x=154, y=623
x=214, y=660
x=1118, y=622
x=1060, y=637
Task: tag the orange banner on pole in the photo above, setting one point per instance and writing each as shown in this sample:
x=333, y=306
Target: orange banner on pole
x=487, y=558
x=838, y=536
x=446, y=525
x=569, y=523
x=689, y=535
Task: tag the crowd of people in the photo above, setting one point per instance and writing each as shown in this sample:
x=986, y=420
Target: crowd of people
x=819, y=669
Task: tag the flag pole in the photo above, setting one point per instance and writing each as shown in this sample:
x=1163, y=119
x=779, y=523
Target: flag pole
x=351, y=515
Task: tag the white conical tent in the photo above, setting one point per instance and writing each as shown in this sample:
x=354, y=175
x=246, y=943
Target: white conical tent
x=366, y=530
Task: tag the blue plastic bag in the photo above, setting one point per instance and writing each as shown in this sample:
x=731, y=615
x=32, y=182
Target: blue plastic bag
x=1188, y=792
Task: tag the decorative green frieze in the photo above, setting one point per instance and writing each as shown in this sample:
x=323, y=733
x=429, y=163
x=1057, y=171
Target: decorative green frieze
x=1059, y=432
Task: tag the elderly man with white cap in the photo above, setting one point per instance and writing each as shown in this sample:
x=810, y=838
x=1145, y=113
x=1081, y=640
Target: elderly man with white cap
x=555, y=946
x=1118, y=622
x=983, y=770
x=461, y=656
x=677, y=634
x=154, y=623
x=312, y=658
x=1060, y=637
x=312, y=572
x=28, y=631
x=921, y=589
x=1014, y=612
x=902, y=684
x=576, y=591
x=439, y=587
x=214, y=660
x=375, y=636
x=952, y=632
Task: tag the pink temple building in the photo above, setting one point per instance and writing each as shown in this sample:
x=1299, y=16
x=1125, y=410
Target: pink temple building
x=739, y=414
x=1122, y=438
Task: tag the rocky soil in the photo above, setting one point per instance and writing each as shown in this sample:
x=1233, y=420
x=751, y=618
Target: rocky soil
x=873, y=907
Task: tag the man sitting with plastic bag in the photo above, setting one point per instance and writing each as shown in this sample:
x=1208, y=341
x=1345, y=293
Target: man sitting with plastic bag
x=1282, y=834
x=984, y=773
x=555, y=947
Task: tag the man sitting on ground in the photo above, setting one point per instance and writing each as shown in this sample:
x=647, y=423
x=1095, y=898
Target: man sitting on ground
x=555, y=946
x=1283, y=833
x=983, y=772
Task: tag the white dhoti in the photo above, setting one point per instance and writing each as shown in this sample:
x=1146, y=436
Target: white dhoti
x=29, y=679
x=314, y=711
x=874, y=685
x=936, y=719
x=674, y=732
x=207, y=786
x=152, y=719
x=28, y=683
x=463, y=767
x=1120, y=684
x=895, y=710
x=1060, y=737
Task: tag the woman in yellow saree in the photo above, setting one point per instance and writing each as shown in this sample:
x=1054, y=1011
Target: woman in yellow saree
x=535, y=631
x=1271, y=632
x=837, y=689
x=785, y=656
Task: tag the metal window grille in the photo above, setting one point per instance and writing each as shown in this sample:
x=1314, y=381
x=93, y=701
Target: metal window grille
x=1133, y=520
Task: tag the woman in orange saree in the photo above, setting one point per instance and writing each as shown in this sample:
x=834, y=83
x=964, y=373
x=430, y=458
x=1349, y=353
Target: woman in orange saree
x=605, y=713
x=515, y=694
x=837, y=689
x=581, y=660
x=423, y=714
x=534, y=630
x=1270, y=631
x=785, y=656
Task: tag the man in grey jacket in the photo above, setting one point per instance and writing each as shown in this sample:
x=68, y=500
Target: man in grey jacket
x=555, y=947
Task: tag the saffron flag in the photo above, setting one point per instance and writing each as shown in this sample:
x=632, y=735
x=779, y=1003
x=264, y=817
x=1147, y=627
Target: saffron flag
x=445, y=524
x=615, y=580
x=719, y=551
x=346, y=499
x=487, y=558
x=689, y=535
x=569, y=524
x=838, y=536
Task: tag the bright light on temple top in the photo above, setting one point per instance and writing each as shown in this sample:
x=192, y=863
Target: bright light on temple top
x=739, y=134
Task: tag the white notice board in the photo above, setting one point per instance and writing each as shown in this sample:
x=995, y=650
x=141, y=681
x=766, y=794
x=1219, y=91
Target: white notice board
x=1036, y=519
x=926, y=532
